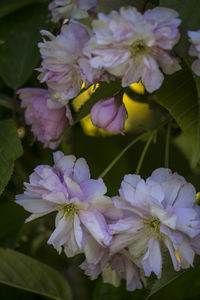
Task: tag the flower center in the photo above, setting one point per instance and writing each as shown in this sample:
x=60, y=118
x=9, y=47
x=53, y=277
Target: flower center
x=153, y=227
x=139, y=47
x=69, y=210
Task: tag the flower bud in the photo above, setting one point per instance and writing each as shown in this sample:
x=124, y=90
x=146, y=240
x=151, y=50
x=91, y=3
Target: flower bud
x=109, y=115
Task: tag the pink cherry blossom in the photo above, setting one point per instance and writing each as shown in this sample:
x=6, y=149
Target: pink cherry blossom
x=135, y=47
x=164, y=216
x=80, y=202
x=47, y=118
x=64, y=66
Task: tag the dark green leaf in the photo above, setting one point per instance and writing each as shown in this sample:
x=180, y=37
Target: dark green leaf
x=105, y=90
x=107, y=291
x=10, y=150
x=20, y=271
x=178, y=95
x=20, y=32
x=12, y=218
x=8, y=6
x=170, y=287
x=189, y=13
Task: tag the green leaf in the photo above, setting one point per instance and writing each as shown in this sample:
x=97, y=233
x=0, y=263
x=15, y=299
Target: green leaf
x=178, y=95
x=176, y=285
x=20, y=271
x=19, y=54
x=107, y=291
x=10, y=150
x=8, y=6
x=189, y=13
x=104, y=90
x=12, y=218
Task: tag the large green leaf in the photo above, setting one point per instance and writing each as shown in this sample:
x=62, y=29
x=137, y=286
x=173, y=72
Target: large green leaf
x=10, y=150
x=8, y=6
x=178, y=95
x=104, y=90
x=20, y=271
x=175, y=285
x=189, y=13
x=19, y=53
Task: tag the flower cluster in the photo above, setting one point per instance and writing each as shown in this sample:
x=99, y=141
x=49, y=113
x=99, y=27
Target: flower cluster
x=123, y=236
x=126, y=44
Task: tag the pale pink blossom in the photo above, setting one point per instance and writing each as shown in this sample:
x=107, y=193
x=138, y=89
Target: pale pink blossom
x=64, y=67
x=135, y=47
x=47, y=118
x=80, y=202
x=109, y=115
x=195, y=50
x=76, y=9
x=113, y=267
x=162, y=216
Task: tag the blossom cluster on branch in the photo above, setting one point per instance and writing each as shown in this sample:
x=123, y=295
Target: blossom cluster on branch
x=126, y=44
x=123, y=236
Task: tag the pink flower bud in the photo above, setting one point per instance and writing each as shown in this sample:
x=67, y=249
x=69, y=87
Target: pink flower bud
x=109, y=116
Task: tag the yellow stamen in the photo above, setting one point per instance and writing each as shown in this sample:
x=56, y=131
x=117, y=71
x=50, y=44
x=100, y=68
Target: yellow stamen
x=197, y=201
x=176, y=253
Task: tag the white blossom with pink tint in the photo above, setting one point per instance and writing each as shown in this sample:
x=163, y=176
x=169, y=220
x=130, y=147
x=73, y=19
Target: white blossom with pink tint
x=135, y=47
x=164, y=216
x=109, y=115
x=76, y=9
x=80, y=201
x=47, y=118
x=195, y=50
x=64, y=67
